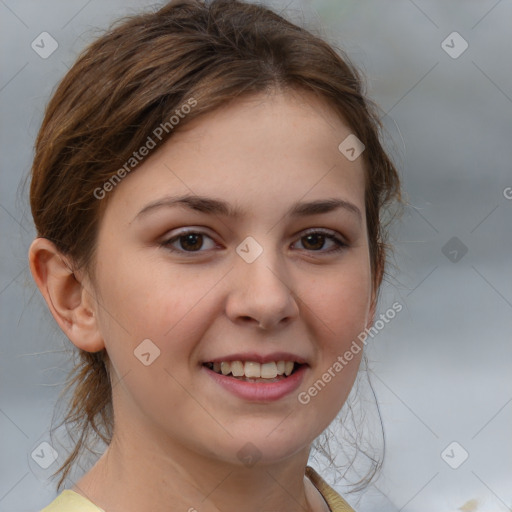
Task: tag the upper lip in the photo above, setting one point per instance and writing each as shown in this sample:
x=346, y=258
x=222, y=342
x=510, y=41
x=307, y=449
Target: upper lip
x=259, y=358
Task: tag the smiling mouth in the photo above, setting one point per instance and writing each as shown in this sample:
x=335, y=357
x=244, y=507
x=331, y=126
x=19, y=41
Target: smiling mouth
x=251, y=371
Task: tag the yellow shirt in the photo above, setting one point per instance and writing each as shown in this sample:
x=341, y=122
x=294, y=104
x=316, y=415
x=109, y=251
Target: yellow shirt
x=70, y=501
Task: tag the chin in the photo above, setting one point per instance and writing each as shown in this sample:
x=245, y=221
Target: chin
x=262, y=446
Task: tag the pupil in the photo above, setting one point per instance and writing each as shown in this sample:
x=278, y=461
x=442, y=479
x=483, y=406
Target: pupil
x=191, y=237
x=318, y=245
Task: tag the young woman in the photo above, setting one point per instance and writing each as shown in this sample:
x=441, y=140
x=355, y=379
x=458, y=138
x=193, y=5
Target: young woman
x=207, y=187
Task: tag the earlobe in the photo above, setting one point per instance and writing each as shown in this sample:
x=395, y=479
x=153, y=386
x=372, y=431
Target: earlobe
x=66, y=297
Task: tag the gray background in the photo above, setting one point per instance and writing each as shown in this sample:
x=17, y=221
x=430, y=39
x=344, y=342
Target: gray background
x=441, y=368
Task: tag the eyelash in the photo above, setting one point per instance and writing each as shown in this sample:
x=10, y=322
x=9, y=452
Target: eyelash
x=340, y=244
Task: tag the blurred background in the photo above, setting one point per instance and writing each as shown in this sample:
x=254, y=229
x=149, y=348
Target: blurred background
x=441, y=73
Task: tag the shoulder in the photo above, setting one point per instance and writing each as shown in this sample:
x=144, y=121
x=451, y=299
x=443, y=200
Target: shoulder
x=334, y=500
x=71, y=501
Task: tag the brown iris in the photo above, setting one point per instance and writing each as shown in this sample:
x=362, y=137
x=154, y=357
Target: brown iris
x=315, y=237
x=193, y=241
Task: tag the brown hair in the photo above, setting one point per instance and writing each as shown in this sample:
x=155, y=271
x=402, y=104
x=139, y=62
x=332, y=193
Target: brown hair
x=132, y=80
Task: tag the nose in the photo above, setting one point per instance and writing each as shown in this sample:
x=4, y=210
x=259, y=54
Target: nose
x=261, y=293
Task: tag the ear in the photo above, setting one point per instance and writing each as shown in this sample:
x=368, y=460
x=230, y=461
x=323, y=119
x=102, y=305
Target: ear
x=70, y=303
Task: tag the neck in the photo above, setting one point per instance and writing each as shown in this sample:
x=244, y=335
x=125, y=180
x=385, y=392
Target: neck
x=174, y=477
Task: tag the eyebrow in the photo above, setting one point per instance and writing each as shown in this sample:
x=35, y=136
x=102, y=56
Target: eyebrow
x=213, y=206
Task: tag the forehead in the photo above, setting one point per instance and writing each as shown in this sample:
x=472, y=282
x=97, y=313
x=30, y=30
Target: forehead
x=257, y=152
x=304, y=115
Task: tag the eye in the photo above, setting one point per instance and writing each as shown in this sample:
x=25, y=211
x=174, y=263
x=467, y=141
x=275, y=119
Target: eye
x=315, y=241
x=189, y=241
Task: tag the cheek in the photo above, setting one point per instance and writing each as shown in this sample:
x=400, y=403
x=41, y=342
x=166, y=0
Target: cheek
x=146, y=296
x=341, y=301
x=162, y=303
x=339, y=308
x=139, y=303
x=340, y=313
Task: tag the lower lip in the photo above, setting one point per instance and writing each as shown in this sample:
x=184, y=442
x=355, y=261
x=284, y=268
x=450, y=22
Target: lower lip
x=259, y=391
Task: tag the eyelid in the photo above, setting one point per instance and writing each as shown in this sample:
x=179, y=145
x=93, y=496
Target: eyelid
x=340, y=241
x=185, y=231
x=324, y=231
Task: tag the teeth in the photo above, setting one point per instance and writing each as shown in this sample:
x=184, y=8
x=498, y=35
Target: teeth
x=269, y=370
x=237, y=368
x=254, y=370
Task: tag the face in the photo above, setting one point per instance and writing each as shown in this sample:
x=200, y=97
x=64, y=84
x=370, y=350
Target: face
x=181, y=285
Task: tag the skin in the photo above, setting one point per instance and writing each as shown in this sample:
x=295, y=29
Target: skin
x=177, y=432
